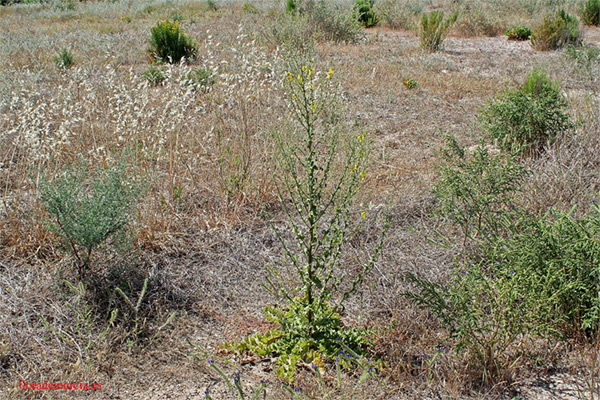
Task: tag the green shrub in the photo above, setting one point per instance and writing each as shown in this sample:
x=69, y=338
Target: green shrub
x=169, y=44
x=473, y=187
x=518, y=33
x=556, y=32
x=434, y=29
x=590, y=12
x=527, y=119
x=90, y=208
x=364, y=13
x=399, y=15
x=154, y=75
x=211, y=5
x=526, y=275
x=64, y=60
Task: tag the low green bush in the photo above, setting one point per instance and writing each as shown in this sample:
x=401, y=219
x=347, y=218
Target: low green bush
x=556, y=32
x=168, y=43
x=365, y=15
x=590, y=12
x=527, y=119
x=434, y=29
x=518, y=33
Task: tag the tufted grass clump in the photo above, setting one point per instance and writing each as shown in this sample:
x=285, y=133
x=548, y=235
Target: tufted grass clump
x=527, y=119
x=364, y=13
x=556, y=32
x=88, y=209
x=590, y=12
x=64, y=59
x=170, y=44
x=434, y=28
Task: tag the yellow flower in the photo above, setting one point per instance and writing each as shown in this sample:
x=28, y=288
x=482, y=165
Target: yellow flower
x=330, y=73
x=364, y=215
x=289, y=77
x=299, y=78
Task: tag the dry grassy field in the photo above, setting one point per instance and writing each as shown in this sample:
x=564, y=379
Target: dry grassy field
x=141, y=292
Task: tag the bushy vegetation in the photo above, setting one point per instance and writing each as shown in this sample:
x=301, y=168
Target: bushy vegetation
x=527, y=274
x=518, y=33
x=556, y=32
x=434, y=28
x=169, y=43
x=529, y=118
x=154, y=75
x=590, y=12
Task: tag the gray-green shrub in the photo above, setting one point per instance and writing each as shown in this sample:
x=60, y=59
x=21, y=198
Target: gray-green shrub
x=527, y=119
x=89, y=208
x=64, y=59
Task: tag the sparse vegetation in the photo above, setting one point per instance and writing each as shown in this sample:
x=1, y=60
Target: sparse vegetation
x=143, y=268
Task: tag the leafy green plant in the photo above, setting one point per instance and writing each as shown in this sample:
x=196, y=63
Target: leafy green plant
x=590, y=12
x=518, y=33
x=364, y=13
x=556, y=32
x=290, y=6
x=64, y=59
x=249, y=8
x=169, y=43
x=88, y=208
x=474, y=188
x=527, y=119
x=410, y=83
x=434, y=28
x=154, y=75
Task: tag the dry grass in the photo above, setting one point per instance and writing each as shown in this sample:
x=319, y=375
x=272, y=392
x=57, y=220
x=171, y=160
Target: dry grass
x=203, y=233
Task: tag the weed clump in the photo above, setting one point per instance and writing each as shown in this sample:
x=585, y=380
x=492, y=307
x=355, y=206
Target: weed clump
x=434, y=29
x=169, y=43
x=556, y=32
x=154, y=75
x=526, y=119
